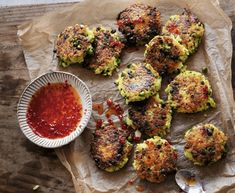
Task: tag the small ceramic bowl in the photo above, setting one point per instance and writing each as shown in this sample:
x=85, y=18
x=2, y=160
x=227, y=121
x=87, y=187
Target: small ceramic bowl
x=54, y=77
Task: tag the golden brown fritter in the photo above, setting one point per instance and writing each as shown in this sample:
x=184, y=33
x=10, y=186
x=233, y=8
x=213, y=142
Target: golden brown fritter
x=109, y=148
x=107, y=51
x=152, y=116
x=74, y=44
x=190, y=92
x=205, y=144
x=138, y=82
x=186, y=28
x=165, y=54
x=154, y=159
x=139, y=23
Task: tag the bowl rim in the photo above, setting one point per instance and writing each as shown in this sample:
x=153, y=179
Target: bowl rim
x=88, y=112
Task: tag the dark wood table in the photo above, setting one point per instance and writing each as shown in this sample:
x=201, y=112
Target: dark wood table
x=23, y=164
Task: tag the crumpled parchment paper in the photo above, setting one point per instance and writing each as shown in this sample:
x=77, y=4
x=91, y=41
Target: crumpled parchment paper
x=37, y=39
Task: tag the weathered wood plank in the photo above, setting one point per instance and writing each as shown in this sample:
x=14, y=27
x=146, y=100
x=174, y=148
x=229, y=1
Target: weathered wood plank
x=23, y=164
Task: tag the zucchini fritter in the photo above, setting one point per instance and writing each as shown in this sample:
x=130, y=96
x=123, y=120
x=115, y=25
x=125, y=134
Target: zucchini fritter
x=74, y=44
x=154, y=159
x=190, y=92
x=139, y=23
x=152, y=116
x=138, y=82
x=107, y=50
x=165, y=54
x=186, y=28
x=109, y=148
x=205, y=144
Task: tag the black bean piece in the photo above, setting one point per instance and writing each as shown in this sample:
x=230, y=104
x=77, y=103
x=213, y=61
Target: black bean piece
x=65, y=36
x=174, y=57
x=97, y=161
x=203, y=152
x=129, y=65
x=209, y=131
x=174, y=90
x=158, y=146
x=113, y=31
x=130, y=74
x=210, y=151
x=131, y=26
x=163, y=105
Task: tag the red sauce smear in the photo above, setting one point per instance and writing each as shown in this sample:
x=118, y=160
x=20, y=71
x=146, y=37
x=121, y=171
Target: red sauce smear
x=131, y=181
x=98, y=107
x=99, y=123
x=173, y=28
x=140, y=188
x=115, y=43
x=137, y=21
x=113, y=109
x=54, y=111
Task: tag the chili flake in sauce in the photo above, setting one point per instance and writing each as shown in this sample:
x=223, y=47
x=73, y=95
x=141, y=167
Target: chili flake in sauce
x=54, y=110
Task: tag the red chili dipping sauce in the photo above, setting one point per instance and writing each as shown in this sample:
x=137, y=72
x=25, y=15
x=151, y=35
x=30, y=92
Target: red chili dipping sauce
x=54, y=110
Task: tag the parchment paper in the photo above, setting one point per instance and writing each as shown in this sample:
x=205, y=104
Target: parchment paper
x=37, y=38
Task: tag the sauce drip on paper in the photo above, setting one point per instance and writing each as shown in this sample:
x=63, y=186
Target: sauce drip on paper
x=98, y=107
x=113, y=109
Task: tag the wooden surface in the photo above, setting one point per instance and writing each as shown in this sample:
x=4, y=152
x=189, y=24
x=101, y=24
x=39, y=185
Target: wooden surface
x=32, y=2
x=22, y=164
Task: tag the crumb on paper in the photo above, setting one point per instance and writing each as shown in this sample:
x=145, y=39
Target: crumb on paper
x=36, y=187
